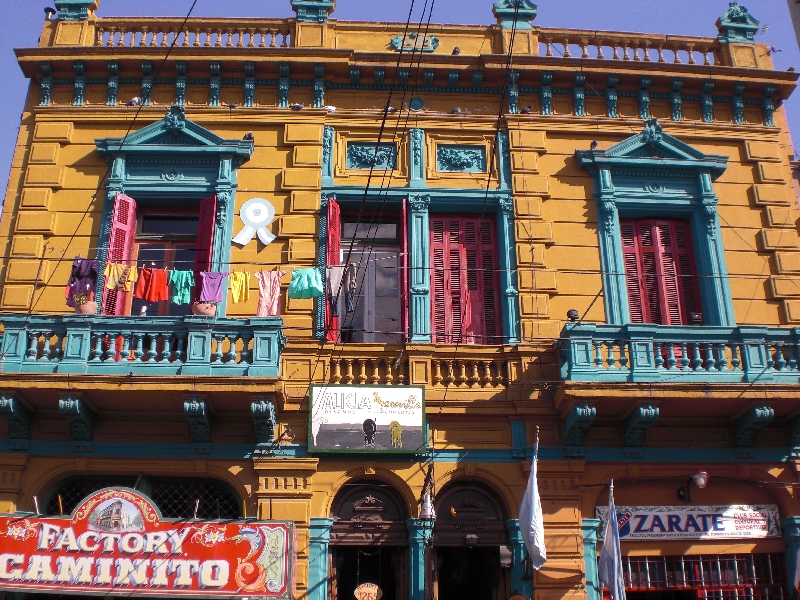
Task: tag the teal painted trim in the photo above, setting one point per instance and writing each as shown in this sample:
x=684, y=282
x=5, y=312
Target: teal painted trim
x=644, y=98
x=313, y=11
x=636, y=354
x=79, y=86
x=519, y=438
x=187, y=345
x=416, y=158
x=512, y=92
x=504, y=160
x=737, y=25
x=653, y=174
x=579, y=95
x=46, y=84
x=518, y=556
x=419, y=274
x=319, y=85
x=790, y=528
x=113, y=83
x=515, y=14
x=180, y=83
x=319, y=541
x=617, y=455
x=420, y=536
x=547, y=93
x=457, y=158
x=589, y=529
x=328, y=137
x=147, y=82
x=215, y=83
x=506, y=242
x=74, y=10
x=283, y=85
x=676, y=100
x=612, y=97
x=707, y=102
x=249, y=84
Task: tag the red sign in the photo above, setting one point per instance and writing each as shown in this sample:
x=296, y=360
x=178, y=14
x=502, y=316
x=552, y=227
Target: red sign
x=117, y=543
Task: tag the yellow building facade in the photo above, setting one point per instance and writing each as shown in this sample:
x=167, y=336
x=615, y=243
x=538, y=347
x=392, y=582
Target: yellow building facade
x=589, y=235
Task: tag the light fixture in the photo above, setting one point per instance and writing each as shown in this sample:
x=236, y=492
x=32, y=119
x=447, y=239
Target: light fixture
x=471, y=540
x=49, y=12
x=700, y=479
x=427, y=511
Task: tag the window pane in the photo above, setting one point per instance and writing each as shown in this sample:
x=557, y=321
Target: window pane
x=369, y=231
x=169, y=225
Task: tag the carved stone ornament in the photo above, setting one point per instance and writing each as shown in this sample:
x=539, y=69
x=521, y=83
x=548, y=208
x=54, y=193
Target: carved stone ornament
x=264, y=420
x=460, y=159
x=506, y=204
x=368, y=156
x=368, y=509
x=199, y=422
x=419, y=202
x=737, y=25
x=80, y=417
x=313, y=11
x=415, y=42
x=509, y=11
x=652, y=132
x=175, y=118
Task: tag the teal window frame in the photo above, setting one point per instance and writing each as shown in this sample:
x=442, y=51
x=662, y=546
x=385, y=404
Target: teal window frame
x=654, y=175
x=179, y=160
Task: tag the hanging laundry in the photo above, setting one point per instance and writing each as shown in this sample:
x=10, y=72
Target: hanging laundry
x=269, y=293
x=182, y=283
x=334, y=276
x=120, y=277
x=240, y=286
x=152, y=285
x=211, y=287
x=82, y=279
x=350, y=284
x=306, y=283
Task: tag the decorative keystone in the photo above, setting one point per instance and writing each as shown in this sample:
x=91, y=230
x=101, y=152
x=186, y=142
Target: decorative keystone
x=509, y=12
x=199, y=422
x=577, y=422
x=313, y=11
x=18, y=417
x=637, y=423
x=76, y=10
x=737, y=25
x=746, y=426
x=264, y=419
x=80, y=417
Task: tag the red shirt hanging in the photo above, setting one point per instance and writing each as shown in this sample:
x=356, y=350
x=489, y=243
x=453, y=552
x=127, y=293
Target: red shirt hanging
x=152, y=285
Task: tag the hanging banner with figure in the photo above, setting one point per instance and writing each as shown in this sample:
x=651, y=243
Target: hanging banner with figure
x=367, y=418
x=694, y=522
x=115, y=542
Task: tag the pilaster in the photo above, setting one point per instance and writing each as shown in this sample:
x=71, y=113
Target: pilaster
x=417, y=158
x=519, y=554
x=589, y=529
x=508, y=271
x=320, y=536
x=420, y=279
x=790, y=527
x=420, y=534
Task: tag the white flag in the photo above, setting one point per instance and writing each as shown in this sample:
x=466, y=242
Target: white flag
x=531, y=522
x=609, y=566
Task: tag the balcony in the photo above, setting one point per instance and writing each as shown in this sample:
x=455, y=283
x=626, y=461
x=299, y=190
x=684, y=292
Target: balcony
x=679, y=354
x=98, y=345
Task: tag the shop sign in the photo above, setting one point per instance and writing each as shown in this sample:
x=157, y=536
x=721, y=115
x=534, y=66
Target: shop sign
x=366, y=418
x=694, y=522
x=368, y=591
x=115, y=542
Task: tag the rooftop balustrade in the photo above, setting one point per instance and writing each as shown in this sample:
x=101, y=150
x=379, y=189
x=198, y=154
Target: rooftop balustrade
x=188, y=345
x=679, y=354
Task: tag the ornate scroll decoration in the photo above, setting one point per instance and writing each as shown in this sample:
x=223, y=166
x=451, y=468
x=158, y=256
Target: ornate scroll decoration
x=196, y=413
x=737, y=25
x=676, y=100
x=215, y=83
x=264, y=420
x=46, y=84
x=611, y=97
x=577, y=422
x=419, y=202
x=461, y=159
x=175, y=118
x=369, y=156
x=80, y=83
x=415, y=42
x=638, y=422
x=80, y=417
x=113, y=83
x=738, y=104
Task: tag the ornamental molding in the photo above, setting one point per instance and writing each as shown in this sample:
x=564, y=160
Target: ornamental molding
x=461, y=159
x=414, y=42
x=366, y=156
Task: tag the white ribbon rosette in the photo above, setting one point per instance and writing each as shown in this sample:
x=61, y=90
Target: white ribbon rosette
x=256, y=214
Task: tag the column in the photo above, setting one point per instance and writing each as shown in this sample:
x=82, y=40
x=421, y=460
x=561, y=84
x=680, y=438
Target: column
x=420, y=533
x=320, y=536
x=519, y=554
x=420, y=278
x=790, y=527
x=508, y=271
x=589, y=528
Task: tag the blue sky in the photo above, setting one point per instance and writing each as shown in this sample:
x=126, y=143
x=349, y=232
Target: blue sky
x=23, y=21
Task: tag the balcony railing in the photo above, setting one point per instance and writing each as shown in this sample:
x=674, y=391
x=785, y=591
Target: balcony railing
x=141, y=345
x=658, y=353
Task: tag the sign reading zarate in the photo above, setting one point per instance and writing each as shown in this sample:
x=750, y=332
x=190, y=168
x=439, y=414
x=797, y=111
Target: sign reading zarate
x=116, y=542
x=694, y=522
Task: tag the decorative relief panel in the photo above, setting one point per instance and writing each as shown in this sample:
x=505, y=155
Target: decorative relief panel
x=415, y=42
x=354, y=153
x=366, y=155
x=461, y=159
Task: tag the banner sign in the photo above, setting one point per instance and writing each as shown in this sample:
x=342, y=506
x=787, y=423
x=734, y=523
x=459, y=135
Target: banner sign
x=115, y=542
x=693, y=522
x=367, y=418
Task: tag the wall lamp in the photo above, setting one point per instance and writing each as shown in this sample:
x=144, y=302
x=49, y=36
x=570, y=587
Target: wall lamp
x=700, y=479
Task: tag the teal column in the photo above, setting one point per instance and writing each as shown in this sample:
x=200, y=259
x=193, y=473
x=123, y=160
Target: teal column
x=420, y=532
x=318, y=559
x=589, y=528
x=518, y=556
x=417, y=157
x=420, y=277
x=327, y=156
x=790, y=526
x=221, y=252
x=508, y=271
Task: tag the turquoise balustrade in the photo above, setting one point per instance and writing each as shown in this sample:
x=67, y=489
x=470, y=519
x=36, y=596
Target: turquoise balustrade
x=189, y=345
x=661, y=353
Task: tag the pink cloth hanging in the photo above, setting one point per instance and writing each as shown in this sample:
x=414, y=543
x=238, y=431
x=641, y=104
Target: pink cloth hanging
x=269, y=293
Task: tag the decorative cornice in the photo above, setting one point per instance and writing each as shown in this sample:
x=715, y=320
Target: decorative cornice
x=199, y=422
x=18, y=417
x=264, y=420
x=79, y=415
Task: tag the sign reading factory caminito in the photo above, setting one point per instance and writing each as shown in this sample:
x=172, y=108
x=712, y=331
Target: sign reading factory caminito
x=694, y=522
x=366, y=418
x=116, y=542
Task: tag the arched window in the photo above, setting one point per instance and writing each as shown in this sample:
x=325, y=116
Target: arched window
x=175, y=497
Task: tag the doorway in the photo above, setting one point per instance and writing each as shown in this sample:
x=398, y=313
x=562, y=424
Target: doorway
x=353, y=565
x=464, y=573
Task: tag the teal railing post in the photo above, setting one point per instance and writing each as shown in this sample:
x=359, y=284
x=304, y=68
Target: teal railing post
x=518, y=556
x=589, y=528
x=318, y=559
x=790, y=526
x=15, y=343
x=198, y=345
x=268, y=341
x=77, y=343
x=420, y=532
x=754, y=354
x=644, y=355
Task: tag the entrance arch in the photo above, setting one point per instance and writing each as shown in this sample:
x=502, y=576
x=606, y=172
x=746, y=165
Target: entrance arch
x=369, y=540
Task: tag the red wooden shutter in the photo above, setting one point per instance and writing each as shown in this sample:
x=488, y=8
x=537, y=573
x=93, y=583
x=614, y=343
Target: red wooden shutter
x=120, y=248
x=404, y=270
x=205, y=240
x=660, y=271
x=464, y=280
x=333, y=252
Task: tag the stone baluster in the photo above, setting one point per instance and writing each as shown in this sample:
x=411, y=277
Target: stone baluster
x=197, y=34
x=623, y=354
x=154, y=38
x=598, y=357
x=207, y=42
x=251, y=42
x=791, y=356
x=676, y=50
x=723, y=357
x=736, y=360
x=111, y=32
x=218, y=348
x=165, y=342
x=33, y=345
x=98, y=347
x=362, y=371
x=599, y=45
x=671, y=360
x=273, y=38
x=98, y=36
x=684, y=355
x=706, y=60
x=240, y=43
x=567, y=53
x=138, y=351
x=659, y=356
x=126, y=345
x=584, y=43
x=697, y=360
x=549, y=45
x=661, y=58
x=636, y=51
x=389, y=374
x=615, y=46
x=229, y=33
x=780, y=362
x=285, y=42
x=401, y=373
x=337, y=370
x=611, y=360
x=165, y=37
x=646, y=50
x=690, y=50
x=375, y=378
x=232, y=341
x=498, y=372
x=626, y=50
x=56, y=347
x=348, y=372
x=246, y=355
x=218, y=43
x=448, y=372
x=486, y=377
x=437, y=372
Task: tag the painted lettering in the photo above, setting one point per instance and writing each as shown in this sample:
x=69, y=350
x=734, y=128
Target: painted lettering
x=160, y=566
x=47, y=535
x=11, y=560
x=131, y=572
x=642, y=519
x=176, y=539
x=704, y=519
x=716, y=520
x=109, y=539
x=183, y=570
x=131, y=543
x=40, y=568
x=657, y=522
x=214, y=573
x=66, y=539
x=103, y=576
x=73, y=569
x=674, y=523
x=156, y=543
x=691, y=522
x=83, y=542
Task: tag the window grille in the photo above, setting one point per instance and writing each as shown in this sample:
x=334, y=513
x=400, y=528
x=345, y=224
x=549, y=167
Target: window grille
x=175, y=497
x=711, y=577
